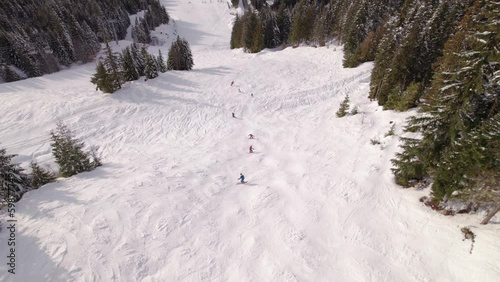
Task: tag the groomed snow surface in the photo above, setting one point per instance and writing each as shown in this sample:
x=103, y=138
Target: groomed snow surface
x=320, y=204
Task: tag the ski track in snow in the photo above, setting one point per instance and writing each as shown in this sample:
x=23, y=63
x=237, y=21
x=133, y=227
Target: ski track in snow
x=320, y=204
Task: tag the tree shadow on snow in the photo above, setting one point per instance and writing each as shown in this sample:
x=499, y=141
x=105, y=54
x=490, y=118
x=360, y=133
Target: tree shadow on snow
x=38, y=266
x=213, y=71
x=161, y=91
x=49, y=80
x=192, y=33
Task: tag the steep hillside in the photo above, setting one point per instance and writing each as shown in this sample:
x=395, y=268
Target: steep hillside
x=320, y=203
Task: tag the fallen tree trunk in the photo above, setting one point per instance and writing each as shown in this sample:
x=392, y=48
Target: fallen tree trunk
x=491, y=214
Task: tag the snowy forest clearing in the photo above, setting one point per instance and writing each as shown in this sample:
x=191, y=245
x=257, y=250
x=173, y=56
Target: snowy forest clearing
x=320, y=205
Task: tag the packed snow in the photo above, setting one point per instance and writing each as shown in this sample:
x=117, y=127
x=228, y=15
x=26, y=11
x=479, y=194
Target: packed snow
x=320, y=203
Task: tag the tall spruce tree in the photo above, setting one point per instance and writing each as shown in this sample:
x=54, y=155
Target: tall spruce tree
x=270, y=29
x=69, y=154
x=249, y=30
x=8, y=75
x=13, y=181
x=139, y=60
x=129, y=69
x=40, y=176
x=113, y=68
x=236, y=33
x=284, y=21
x=302, y=22
x=162, y=67
x=179, y=56
x=101, y=79
x=459, y=124
x=151, y=67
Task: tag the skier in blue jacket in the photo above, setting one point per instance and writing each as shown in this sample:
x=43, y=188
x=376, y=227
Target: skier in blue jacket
x=242, y=178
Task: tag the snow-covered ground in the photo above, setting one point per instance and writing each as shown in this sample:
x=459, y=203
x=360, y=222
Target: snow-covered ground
x=320, y=204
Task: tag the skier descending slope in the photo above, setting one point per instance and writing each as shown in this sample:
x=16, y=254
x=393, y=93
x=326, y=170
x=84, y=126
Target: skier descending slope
x=242, y=178
x=250, y=149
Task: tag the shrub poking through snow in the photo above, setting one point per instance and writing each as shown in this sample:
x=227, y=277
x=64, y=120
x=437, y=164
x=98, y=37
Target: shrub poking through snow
x=468, y=235
x=374, y=142
x=344, y=107
x=354, y=110
x=40, y=176
x=391, y=131
x=13, y=181
x=69, y=153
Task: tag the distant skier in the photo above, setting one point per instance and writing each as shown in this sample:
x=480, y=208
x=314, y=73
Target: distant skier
x=232, y=82
x=250, y=149
x=250, y=136
x=234, y=115
x=251, y=94
x=242, y=178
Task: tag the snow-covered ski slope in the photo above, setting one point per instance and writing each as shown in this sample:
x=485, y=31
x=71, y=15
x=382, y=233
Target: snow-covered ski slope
x=320, y=204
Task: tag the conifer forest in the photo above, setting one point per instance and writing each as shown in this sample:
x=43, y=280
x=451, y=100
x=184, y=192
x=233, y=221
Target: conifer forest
x=440, y=56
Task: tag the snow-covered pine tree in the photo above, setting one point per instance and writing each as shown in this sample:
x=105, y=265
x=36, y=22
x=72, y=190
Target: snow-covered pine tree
x=40, y=176
x=258, y=39
x=13, y=181
x=187, y=56
x=270, y=29
x=8, y=75
x=138, y=58
x=113, y=69
x=179, y=55
x=302, y=22
x=101, y=79
x=162, y=67
x=140, y=32
x=344, y=107
x=258, y=4
x=459, y=127
x=249, y=26
x=129, y=70
x=151, y=68
x=284, y=21
x=236, y=33
x=68, y=152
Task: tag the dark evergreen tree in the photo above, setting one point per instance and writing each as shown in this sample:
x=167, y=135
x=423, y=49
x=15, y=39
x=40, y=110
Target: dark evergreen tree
x=258, y=4
x=410, y=44
x=179, y=56
x=8, y=75
x=101, y=79
x=151, y=67
x=40, y=176
x=270, y=30
x=13, y=181
x=138, y=58
x=129, y=69
x=302, y=22
x=162, y=67
x=344, y=107
x=236, y=33
x=249, y=30
x=69, y=154
x=459, y=125
x=113, y=68
x=284, y=22
x=258, y=39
